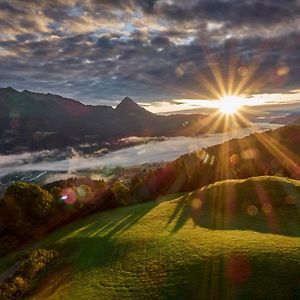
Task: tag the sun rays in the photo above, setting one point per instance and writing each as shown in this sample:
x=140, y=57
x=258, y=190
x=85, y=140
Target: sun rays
x=229, y=86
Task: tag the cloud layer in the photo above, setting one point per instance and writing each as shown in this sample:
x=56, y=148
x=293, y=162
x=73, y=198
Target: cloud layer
x=149, y=49
x=151, y=152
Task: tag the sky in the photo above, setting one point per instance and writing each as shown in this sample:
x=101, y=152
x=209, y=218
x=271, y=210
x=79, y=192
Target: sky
x=167, y=54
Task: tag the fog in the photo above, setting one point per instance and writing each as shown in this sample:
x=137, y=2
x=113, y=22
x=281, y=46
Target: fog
x=24, y=158
x=154, y=151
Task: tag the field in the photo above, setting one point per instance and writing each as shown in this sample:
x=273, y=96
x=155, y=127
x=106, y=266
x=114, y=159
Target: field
x=236, y=239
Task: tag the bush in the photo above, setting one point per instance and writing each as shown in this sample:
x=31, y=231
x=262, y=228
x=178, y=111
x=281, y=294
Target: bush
x=21, y=282
x=23, y=206
x=122, y=193
x=35, y=262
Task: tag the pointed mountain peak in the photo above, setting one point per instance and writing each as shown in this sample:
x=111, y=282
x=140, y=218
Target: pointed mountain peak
x=128, y=101
x=127, y=105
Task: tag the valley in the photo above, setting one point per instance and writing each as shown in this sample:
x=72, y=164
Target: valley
x=150, y=149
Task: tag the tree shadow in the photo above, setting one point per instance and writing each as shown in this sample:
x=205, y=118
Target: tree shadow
x=117, y=221
x=257, y=207
x=107, y=224
x=92, y=242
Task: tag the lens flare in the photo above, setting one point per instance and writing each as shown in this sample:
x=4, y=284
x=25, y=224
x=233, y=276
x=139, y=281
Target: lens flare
x=68, y=196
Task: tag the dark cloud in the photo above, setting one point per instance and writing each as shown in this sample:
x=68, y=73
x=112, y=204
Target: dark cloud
x=160, y=41
x=7, y=7
x=233, y=12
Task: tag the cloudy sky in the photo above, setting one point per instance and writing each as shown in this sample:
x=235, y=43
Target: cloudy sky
x=159, y=51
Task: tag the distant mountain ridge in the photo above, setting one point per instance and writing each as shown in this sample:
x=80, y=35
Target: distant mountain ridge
x=33, y=121
x=288, y=119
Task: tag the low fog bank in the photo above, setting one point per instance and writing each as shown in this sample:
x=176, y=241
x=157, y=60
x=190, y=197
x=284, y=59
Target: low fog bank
x=153, y=151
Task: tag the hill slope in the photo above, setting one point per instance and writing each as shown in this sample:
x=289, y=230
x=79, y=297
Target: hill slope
x=196, y=246
x=275, y=152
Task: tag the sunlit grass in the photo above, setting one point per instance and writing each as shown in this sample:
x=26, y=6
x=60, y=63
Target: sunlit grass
x=214, y=243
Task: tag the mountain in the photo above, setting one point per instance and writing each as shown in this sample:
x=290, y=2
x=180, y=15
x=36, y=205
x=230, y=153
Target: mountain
x=128, y=106
x=288, y=119
x=33, y=121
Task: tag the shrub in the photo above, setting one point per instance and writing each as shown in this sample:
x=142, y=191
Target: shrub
x=21, y=282
x=122, y=193
x=35, y=262
x=23, y=206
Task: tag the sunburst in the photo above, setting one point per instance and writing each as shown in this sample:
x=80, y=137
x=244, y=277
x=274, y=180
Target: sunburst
x=229, y=104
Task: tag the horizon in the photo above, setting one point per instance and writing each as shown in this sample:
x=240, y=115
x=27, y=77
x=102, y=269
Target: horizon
x=183, y=106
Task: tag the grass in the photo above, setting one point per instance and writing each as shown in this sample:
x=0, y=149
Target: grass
x=236, y=239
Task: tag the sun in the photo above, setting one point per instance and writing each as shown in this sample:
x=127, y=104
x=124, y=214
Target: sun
x=229, y=105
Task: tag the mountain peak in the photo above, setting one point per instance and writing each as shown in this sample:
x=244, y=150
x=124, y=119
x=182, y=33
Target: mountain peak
x=9, y=89
x=128, y=106
x=127, y=101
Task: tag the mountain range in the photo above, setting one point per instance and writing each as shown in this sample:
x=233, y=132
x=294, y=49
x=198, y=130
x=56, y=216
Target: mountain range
x=34, y=121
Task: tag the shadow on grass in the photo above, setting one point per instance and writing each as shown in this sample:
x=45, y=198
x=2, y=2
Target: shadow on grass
x=235, y=276
x=90, y=252
x=268, y=208
x=120, y=221
x=221, y=276
x=91, y=243
x=107, y=224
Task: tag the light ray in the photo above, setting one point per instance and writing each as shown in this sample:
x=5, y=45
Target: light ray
x=281, y=153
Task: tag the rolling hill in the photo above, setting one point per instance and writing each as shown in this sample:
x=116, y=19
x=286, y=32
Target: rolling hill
x=234, y=239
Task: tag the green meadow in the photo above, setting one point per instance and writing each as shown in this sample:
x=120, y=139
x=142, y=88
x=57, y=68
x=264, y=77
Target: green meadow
x=235, y=239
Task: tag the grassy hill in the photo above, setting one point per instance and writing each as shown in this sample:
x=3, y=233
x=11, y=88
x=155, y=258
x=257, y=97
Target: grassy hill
x=272, y=153
x=235, y=239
